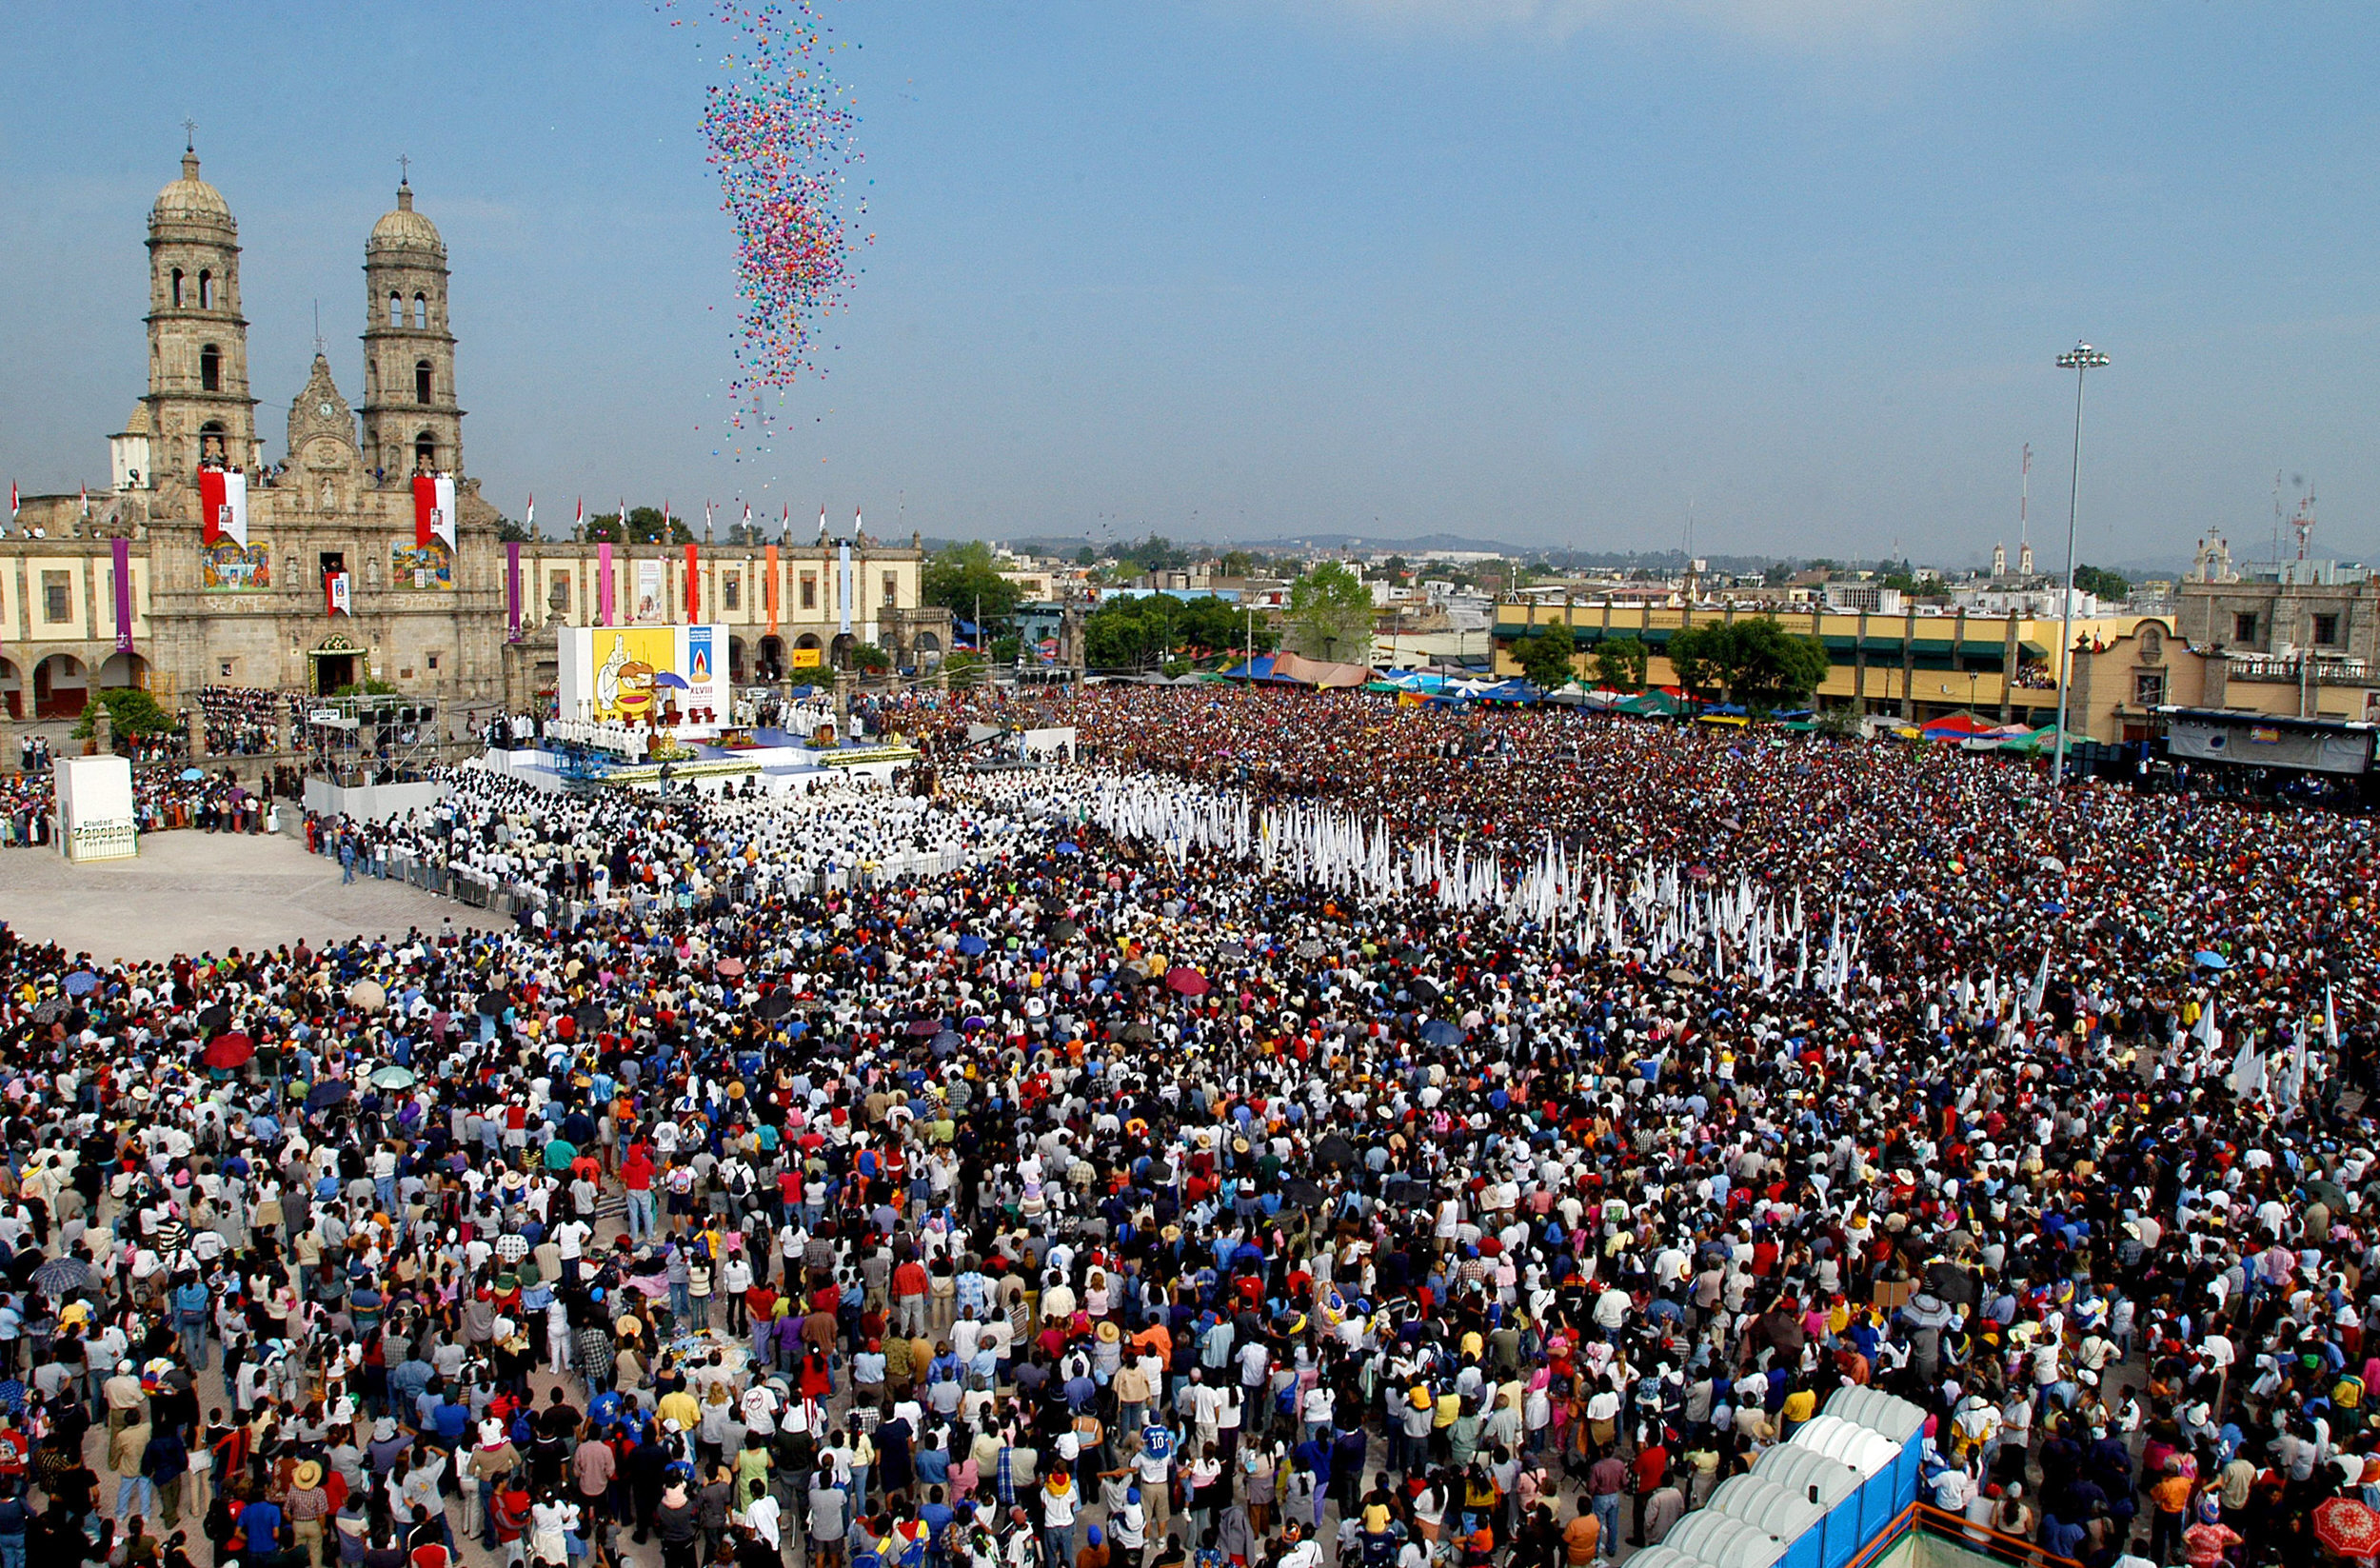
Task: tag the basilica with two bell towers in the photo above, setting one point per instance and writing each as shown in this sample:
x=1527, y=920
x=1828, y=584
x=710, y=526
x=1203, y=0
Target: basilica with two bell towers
x=473, y=625
x=341, y=501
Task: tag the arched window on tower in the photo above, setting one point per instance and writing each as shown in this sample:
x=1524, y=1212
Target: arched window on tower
x=206, y=290
x=211, y=444
x=421, y=382
x=177, y=289
x=426, y=452
x=421, y=312
x=210, y=368
x=396, y=308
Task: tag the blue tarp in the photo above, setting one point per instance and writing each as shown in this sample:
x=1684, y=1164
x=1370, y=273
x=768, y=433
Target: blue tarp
x=1263, y=672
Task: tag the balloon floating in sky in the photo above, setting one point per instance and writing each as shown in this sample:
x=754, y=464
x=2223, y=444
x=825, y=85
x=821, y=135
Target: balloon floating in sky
x=780, y=129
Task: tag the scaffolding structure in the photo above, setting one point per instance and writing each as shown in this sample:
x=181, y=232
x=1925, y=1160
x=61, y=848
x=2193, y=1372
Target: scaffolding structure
x=353, y=742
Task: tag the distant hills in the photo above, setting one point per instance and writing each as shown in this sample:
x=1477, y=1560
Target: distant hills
x=1422, y=546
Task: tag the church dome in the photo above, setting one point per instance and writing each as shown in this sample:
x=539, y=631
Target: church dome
x=191, y=199
x=402, y=228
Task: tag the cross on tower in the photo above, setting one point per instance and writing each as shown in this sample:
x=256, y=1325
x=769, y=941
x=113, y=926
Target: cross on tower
x=190, y=134
x=404, y=169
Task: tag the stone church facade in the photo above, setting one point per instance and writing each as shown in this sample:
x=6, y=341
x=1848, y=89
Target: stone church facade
x=339, y=499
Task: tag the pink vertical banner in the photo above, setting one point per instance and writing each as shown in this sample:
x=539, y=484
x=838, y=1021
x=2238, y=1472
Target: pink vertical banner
x=512, y=585
x=602, y=584
x=124, y=594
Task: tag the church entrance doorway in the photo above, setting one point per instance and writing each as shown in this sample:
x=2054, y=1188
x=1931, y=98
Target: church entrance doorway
x=337, y=662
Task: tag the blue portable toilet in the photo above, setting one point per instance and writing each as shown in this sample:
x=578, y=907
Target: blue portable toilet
x=1830, y=1486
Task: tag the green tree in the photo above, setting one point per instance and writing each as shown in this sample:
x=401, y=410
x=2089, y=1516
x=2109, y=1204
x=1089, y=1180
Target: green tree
x=1755, y=662
x=1619, y=663
x=1085, y=556
x=966, y=669
x=961, y=577
x=1130, y=634
x=868, y=657
x=1158, y=553
x=130, y=711
x=1005, y=648
x=2103, y=582
x=1210, y=626
x=1545, y=654
x=643, y=527
x=1330, y=615
x=510, y=532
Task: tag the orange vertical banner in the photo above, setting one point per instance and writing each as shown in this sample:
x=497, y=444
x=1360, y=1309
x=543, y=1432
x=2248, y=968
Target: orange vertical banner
x=769, y=587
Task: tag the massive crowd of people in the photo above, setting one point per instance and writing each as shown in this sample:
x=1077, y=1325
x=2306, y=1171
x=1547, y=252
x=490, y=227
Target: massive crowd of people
x=249, y=721
x=1321, y=1129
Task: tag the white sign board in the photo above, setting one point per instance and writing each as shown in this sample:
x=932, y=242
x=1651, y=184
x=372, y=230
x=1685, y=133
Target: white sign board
x=95, y=820
x=1040, y=742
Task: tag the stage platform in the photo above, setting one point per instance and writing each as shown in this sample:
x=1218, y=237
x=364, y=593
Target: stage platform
x=778, y=762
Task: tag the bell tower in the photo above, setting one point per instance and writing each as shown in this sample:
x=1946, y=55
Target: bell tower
x=198, y=402
x=411, y=423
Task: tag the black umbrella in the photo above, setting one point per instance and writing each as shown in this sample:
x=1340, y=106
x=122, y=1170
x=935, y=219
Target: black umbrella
x=1063, y=930
x=51, y=1010
x=1137, y=1034
x=1300, y=1193
x=329, y=1092
x=493, y=1003
x=212, y=1019
x=1335, y=1150
x=1230, y=952
x=590, y=1015
x=1427, y=989
x=776, y=1005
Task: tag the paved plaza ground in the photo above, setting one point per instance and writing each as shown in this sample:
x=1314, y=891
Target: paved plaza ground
x=192, y=892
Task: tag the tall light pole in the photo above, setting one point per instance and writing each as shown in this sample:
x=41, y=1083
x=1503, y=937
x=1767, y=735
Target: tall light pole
x=2082, y=359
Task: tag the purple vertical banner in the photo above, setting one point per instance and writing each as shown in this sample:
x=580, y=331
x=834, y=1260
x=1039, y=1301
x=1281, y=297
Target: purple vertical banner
x=512, y=585
x=124, y=594
x=602, y=584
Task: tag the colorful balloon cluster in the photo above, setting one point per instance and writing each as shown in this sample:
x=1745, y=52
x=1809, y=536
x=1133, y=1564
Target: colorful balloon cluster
x=780, y=129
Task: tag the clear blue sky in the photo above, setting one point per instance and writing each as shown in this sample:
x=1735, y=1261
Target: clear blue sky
x=1547, y=270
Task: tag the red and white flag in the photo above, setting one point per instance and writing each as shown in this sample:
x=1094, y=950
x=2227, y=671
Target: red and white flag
x=822, y=523
x=433, y=508
x=578, y=529
x=338, y=598
x=12, y=501
x=664, y=520
x=747, y=522
x=223, y=504
x=528, y=524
